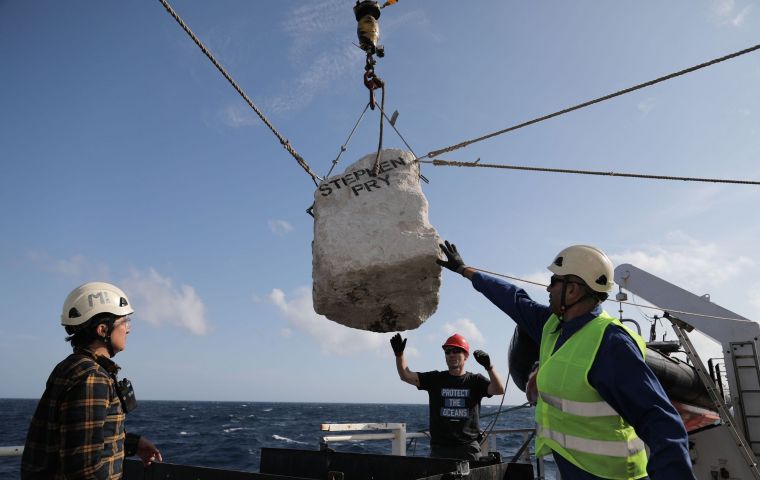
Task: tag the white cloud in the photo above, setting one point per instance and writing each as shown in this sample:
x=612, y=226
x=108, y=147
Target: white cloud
x=311, y=20
x=238, y=115
x=280, y=227
x=686, y=261
x=646, y=105
x=75, y=266
x=317, y=77
x=725, y=13
x=738, y=20
x=723, y=8
x=322, y=50
x=708, y=198
x=754, y=295
x=72, y=266
x=418, y=18
x=158, y=302
x=332, y=337
x=286, y=332
x=465, y=327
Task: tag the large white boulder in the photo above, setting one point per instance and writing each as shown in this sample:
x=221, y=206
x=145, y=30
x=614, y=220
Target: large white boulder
x=374, y=249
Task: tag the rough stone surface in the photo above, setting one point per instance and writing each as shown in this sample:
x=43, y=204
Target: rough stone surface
x=374, y=249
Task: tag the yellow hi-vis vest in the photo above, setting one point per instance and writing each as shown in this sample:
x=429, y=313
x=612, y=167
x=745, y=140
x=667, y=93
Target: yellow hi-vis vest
x=572, y=418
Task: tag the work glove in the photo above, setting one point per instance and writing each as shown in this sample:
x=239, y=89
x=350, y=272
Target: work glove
x=482, y=358
x=398, y=344
x=453, y=260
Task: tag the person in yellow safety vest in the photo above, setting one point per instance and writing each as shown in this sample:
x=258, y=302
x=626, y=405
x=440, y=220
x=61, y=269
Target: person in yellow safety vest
x=598, y=402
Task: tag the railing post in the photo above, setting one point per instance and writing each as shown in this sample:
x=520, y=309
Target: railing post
x=398, y=444
x=11, y=451
x=492, y=443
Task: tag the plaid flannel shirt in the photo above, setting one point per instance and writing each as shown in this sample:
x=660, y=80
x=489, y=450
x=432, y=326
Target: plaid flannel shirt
x=77, y=431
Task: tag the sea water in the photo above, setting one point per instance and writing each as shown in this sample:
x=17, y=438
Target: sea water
x=229, y=435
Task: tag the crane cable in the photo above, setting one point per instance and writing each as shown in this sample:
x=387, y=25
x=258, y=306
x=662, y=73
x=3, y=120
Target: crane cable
x=283, y=141
x=316, y=179
x=451, y=163
x=451, y=148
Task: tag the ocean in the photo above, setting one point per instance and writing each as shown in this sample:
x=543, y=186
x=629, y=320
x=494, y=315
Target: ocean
x=229, y=434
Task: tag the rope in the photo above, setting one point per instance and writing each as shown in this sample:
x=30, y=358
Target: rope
x=283, y=141
x=507, y=410
x=667, y=309
x=450, y=163
x=422, y=177
x=345, y=144
x=376, y=167
x=435, y=153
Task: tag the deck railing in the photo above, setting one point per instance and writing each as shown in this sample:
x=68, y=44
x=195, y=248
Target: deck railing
x=11, y=451
x=397, y=434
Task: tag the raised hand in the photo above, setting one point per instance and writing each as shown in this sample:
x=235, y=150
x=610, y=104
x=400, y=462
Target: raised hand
x=453, y=260
x=482, y=358
x=398, y=344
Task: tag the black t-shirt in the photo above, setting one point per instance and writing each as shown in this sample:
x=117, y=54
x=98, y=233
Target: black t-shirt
x=454, y=405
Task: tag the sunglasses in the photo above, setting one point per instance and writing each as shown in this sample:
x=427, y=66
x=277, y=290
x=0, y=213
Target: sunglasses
x=555, y=280
x=452, y=351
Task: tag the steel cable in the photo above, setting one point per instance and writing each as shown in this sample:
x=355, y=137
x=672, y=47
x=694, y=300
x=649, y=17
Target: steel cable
x=451, y=163
x=283, y=141
x=435, y=153
x=344, y=147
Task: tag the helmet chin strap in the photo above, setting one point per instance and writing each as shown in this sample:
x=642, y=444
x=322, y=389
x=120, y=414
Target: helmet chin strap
x=563, y=307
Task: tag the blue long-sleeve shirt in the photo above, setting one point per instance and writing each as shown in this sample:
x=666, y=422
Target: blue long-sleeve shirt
x=618, y=373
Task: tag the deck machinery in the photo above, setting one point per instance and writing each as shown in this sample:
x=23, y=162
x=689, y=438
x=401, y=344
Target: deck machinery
x=728, y=448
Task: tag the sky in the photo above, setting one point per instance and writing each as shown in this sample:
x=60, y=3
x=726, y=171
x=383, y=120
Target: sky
x=126, y=157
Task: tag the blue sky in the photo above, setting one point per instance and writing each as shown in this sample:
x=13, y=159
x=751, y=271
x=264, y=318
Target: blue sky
x=126, y=157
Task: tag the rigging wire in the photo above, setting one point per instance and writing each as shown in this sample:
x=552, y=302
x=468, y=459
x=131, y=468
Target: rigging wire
x=344, y=147
x=487, y=431
x=452, y=163
x=668, y=309
x=376, y=167
x=451, y=148
x=393, y=125
x=283, y=141
x=316, y=179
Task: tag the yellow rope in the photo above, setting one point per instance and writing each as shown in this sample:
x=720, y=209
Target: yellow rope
x=665, y=309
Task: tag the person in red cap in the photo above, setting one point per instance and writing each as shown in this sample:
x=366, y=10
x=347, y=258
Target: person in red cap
x=455, y=396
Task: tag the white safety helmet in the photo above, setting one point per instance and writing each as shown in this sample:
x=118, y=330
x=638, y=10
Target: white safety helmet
x=588, y=263
x=91, y=299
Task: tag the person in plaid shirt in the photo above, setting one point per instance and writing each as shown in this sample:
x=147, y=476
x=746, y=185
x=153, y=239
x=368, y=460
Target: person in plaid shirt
x=77, y=431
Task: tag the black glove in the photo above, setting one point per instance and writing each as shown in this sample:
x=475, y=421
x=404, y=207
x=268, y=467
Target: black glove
x=453, y=261
x=398, y=344
x=482, y=358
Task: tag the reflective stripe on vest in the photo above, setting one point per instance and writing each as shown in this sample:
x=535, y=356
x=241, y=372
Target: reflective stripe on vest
x=597, y=447
x=581, y=409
